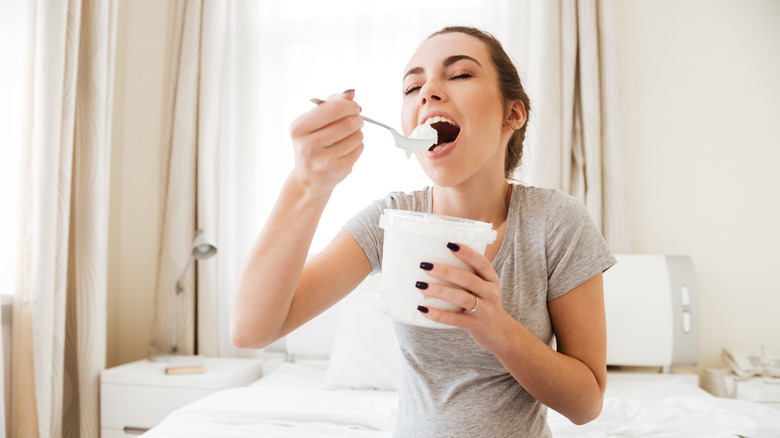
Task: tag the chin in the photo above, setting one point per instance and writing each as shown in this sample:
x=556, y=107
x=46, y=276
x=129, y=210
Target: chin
x=442, y=176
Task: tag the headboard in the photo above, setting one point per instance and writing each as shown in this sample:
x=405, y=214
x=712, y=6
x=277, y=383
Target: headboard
x=651, y=304
x=652, y=310
x=314, y=340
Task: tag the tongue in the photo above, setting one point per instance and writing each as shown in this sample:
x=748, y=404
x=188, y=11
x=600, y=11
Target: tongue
x=447, y=133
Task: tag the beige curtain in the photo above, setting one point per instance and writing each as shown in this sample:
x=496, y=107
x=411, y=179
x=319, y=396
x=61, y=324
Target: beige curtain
x=190, y=164
x=573, y=75
x=59, y=327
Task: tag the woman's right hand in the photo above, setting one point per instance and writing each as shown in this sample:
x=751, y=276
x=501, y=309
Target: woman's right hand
x=328, y=141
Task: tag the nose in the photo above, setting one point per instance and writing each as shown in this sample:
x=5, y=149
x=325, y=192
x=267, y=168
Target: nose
x=431, y=92
x=432, y=97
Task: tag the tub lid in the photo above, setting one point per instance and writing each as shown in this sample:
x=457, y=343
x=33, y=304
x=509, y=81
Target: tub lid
x=453, y=228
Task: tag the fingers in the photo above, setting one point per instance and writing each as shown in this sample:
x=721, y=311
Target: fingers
x=476, y=260
x=458, y=319
x=336, y=108
x=463, y=288
x=328, y=141
x=328, y=123
x=473, y=282
x=454, y=295
x=337, y=139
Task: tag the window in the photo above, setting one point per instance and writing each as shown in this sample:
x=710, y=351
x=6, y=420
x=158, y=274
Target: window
x=14, y=113
x=298, y=50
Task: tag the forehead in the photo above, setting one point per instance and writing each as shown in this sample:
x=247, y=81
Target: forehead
x=436, y=49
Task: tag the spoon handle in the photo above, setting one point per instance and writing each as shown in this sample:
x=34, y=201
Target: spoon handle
x=377, y=123
x=369, y=120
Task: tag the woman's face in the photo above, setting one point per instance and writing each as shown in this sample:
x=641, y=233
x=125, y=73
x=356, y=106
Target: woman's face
x=451, y=84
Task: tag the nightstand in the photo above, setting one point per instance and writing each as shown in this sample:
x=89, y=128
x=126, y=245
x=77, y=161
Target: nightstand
x=758, y=390
x=136, y=396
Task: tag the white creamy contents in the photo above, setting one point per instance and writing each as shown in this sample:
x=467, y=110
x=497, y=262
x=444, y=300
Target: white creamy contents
x=411, y=238
x=425, y=131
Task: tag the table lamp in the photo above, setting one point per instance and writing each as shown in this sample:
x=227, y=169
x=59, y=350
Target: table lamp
x=202, y=248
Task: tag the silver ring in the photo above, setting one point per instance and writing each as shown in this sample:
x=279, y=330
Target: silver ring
x=476, y=304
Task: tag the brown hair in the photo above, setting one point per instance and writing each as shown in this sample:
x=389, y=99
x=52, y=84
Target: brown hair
x=509, y=84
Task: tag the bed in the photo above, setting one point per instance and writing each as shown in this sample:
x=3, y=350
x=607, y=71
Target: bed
x=337, y=376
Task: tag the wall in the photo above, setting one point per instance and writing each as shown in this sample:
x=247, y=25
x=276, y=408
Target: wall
x=6, y=321
x=700, y=95
x=134, y=218
x=699, y=102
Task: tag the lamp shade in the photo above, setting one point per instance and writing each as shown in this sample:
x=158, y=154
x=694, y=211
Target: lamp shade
x=202, y=246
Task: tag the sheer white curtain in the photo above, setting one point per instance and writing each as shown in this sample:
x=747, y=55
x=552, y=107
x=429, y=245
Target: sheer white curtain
x=575, y=88
x=57, y=118
x=191, y=184
x=13, y=51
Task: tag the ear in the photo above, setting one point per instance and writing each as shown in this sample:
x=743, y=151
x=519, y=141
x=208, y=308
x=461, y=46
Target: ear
x=515, y=115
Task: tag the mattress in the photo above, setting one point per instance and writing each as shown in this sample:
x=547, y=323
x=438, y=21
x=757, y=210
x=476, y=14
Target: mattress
x=293, y=401
x=349, y=388
x=669, y=405
x=290, y=402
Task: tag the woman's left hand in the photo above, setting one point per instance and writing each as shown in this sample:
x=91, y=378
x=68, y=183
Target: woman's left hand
x=478, y=293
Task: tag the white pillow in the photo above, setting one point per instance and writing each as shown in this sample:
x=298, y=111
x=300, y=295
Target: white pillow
x=365, y=351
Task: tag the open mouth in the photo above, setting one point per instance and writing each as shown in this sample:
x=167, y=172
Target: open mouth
x=446, y=129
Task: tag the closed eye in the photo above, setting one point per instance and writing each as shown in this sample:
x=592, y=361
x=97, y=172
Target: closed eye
x=410, y=89
x=461, y=76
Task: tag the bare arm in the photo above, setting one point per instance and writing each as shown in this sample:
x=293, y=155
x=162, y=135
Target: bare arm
x=571, y=380
x=277, y=289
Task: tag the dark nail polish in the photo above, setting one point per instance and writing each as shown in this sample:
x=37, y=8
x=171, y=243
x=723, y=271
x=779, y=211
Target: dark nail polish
x=422, y=309
x=348, y=91
x=421, y=285
x=454, y=247
x=426, y=266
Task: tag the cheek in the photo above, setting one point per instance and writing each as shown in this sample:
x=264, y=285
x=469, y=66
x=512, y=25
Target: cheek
x=408, y=118
x=492, y=116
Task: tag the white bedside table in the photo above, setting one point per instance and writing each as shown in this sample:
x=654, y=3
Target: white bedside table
x=136, y=396
x=756, y=389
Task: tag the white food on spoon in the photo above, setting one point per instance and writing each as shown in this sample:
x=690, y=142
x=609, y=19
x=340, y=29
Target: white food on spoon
x=424, y=132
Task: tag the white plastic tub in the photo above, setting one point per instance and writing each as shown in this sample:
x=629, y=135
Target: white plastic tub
x=412, y=238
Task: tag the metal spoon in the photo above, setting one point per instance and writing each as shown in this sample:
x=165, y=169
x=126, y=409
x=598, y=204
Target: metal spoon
x=405, y=143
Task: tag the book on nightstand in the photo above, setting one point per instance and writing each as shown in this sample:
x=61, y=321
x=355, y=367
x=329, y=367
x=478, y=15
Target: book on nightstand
x=185, y=365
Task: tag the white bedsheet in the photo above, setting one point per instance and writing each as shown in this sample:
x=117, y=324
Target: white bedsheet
x=661, y=406
x=291, y=402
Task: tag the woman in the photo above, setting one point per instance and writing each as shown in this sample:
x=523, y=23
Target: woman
x=538, y=285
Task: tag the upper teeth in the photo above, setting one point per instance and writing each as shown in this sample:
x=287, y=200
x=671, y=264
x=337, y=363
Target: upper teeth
x=435, y=119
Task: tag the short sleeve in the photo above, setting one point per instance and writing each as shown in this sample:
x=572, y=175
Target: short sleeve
x=364, y=227
x=576, y=250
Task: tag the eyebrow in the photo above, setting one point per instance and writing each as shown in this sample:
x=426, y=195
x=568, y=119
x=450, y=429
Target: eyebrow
x=447, y=62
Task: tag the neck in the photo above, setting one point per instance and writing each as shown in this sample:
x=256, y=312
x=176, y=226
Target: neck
x=487, y=201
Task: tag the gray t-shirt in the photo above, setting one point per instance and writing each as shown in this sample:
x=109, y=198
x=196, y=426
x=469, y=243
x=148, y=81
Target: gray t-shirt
x=450, y=387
